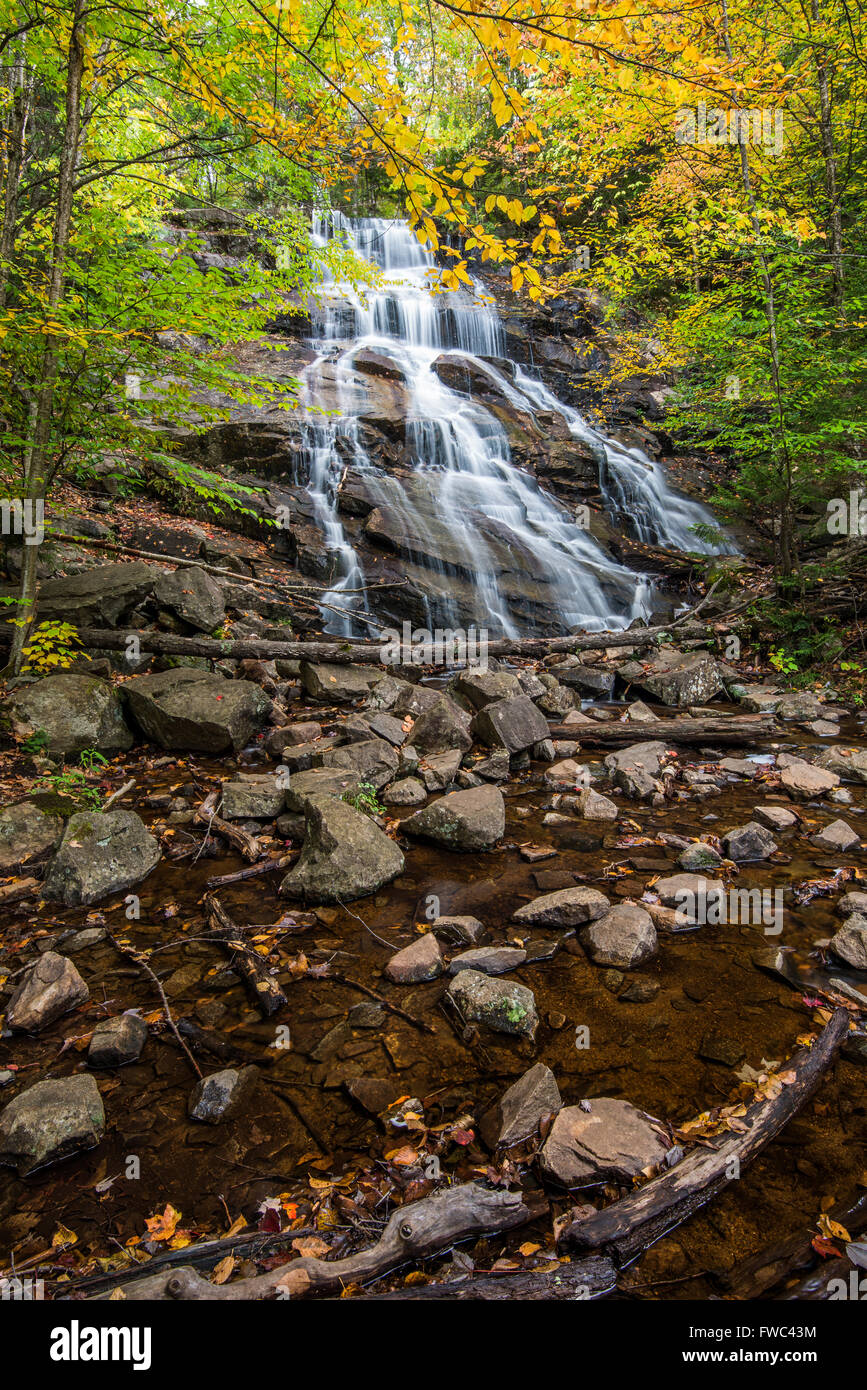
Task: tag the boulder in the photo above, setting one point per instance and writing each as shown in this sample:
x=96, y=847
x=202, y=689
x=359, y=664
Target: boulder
x=490, y=960
x=681, y=678
x=521, y=1109
x=482, y=688
x=852, y=902
x=306, y=787
x=50, y=1120
x=850, y=941
x=601, y=1140
x=338, y=685
x=345, y=856
x=623, y=939
x=419, y=961
x=690, y=894
x=838, y=837
x=50, y=988
x=640, y=713
x=567, y=773
x=567, y=907
x=102, y=596
x=847, y=764
x=514, y=724
x=117, y=1041
x=803, y=780
x=699, y=856
x=465, y=931
x=591, y=805
x=442, y=727
x=635, y=769
x=775, y=817
x=474, y=819
x=76, y=713
x=196, y=711
x=253, y=796
x=589, y=679
x=27, y=835
x=100, y=853
x=747, y=843
x=192, y=595
x=373, y=761
x=439, y=770
x=506, y=1008
x=219, y=1096
x=495, y=768
x=407, y=792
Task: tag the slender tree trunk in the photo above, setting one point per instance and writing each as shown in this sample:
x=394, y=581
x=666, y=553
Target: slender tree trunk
x=13, y=159
x=826, y=132
x=37, y=463
x=785, y=539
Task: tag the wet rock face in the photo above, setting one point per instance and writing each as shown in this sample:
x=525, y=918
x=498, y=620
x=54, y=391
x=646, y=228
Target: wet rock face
x=850, y=942
x=624, y=938
x=27, y=835
x=514, y=724
x=748, y=843
x=567, y=907
x=253, y=796
x=520, y=1110
x=838, y=836
x=373, y=761
x=803, y=780
x=682, y=678
x=846, y=764
x=76, y=712
x=196, y=711
x=117, y=1041
x=219, y=1096
x=345, y=856
x=49, y=1121
x=419, y=961
x=504, y=1007
x=49, y=990
x=490, y=960
x=474, y=819
x=100, y=853
x=601, y=1140
x=192, y=595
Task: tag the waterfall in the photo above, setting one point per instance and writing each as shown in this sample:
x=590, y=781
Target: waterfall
x=505, y=549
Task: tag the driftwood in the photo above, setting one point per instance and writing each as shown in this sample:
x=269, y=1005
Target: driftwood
x=247, y=845
x=18, y=890
x=726, y=728
x=414, y=1232
x=587, y=1279
x=627, y=1227
x=269, y=866
x=262, y=986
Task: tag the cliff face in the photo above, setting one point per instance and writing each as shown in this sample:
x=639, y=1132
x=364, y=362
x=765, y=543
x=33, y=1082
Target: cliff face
x=431, y=441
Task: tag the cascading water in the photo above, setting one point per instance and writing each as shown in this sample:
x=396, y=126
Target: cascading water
x=506, y=550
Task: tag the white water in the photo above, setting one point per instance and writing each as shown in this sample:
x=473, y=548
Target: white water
x=461, y=457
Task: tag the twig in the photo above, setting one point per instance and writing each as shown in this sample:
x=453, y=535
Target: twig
x=139, y=960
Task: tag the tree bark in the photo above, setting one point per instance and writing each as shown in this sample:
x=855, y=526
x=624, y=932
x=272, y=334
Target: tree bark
x=728, y=728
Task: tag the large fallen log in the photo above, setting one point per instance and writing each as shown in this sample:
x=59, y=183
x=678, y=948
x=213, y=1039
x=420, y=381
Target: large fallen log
x=414, y=1232
x=627, y=1227
x=725, y=728
x=345, y=651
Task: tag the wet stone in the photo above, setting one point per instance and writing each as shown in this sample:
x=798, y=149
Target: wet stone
x=51, y=987
x=568, y=907
x=850, y=941
x=218, y=1096
x=50, y=1120
x=838, y=836
x=491, y=960
x=117, y=1041
x=506, y=1008
x=419, y=961
x=521, y=1109
x=624, y=938
x=720, y=1047
x=749, y=842
x=601, y=1140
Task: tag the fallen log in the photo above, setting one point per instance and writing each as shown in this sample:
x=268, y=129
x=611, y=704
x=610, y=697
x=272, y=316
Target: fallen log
x=270, y=866
x=261, y=985
x=587, y=1279
x=627, y=1227
x=414, y=1232
x=348, y=650
x=726, y=728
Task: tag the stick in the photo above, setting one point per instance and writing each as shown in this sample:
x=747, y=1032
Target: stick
x=626, y=1228
x=386, y=1004
x=139, y=960
x=241, y=840
x=262, y=986
x=269, y=867
x=121, y=791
